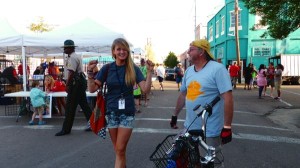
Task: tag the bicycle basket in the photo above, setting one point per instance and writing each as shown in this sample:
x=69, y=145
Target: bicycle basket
x=159, y=156
x=179, y=155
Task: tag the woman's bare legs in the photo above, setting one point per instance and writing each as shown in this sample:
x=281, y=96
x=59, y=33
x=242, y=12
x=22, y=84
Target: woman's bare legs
x=61, y=103
x=120, y=137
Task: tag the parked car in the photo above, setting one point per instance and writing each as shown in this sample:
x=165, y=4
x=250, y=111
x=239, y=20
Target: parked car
x=170, y=74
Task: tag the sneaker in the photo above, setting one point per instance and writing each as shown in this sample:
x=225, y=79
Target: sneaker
x=88, y=127
x=31, y=123
x=42, y=122
x=277, y=98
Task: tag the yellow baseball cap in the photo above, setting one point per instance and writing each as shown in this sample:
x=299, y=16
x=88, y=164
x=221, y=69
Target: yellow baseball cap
x=204, y=44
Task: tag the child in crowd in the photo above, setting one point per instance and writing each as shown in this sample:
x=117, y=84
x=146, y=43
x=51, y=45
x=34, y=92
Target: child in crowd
x=137, y=97
x=254, y=78
x=37, y=97
x=59, y=86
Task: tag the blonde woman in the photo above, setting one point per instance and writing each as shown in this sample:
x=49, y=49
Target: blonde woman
x=49, y=83
x=120, y=107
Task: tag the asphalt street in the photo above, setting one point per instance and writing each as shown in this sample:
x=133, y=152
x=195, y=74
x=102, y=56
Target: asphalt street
x=266, y=133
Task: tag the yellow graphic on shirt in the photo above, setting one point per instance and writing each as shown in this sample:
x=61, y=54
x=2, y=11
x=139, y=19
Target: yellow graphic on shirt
x=193, y=91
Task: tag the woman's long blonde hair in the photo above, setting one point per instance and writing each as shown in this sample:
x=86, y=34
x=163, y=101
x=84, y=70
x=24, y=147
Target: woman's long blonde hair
x=129, y=65
x=51, y=84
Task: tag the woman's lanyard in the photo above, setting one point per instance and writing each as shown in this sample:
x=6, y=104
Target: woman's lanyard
x=121, y=100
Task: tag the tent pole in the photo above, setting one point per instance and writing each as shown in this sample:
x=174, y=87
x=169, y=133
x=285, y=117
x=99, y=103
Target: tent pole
x=24, y=69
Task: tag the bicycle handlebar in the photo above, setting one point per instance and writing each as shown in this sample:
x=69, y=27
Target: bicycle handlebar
x=207, y=106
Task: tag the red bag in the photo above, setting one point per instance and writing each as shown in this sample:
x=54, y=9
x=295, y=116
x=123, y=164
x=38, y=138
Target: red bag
x=97, y=119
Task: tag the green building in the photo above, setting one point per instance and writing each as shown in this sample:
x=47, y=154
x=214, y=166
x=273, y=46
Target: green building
x=253, y=48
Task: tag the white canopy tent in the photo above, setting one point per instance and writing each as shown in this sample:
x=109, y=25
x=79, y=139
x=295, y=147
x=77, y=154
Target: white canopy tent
x=88, y=36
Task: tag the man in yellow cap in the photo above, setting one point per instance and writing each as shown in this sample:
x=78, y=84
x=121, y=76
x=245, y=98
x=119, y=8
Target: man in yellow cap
x=202, y=82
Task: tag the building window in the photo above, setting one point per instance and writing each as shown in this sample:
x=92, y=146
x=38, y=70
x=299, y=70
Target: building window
x=262, y=51
x=220, y=52
x=232, y=21
x=210, y=34
x=217, y=29
x=223, y=25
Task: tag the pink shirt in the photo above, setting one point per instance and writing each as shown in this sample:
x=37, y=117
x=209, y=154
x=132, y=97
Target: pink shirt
x=261, y=78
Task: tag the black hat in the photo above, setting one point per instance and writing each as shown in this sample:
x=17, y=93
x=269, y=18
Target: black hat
x=69, y=43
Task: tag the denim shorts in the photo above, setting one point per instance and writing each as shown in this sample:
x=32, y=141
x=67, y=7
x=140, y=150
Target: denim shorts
x=115, y=120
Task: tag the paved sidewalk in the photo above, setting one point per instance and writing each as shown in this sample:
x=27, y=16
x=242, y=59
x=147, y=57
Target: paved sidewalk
x=282, y=113
x=289, y=118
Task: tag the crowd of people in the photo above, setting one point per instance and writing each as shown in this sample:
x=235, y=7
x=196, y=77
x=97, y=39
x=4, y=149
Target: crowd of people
x=263, y=78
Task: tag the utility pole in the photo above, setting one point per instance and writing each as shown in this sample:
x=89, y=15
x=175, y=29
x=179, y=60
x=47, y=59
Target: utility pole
x=236, y=9
x=195, y=20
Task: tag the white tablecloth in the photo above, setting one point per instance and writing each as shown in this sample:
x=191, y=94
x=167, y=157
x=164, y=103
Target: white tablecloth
x=53, y=94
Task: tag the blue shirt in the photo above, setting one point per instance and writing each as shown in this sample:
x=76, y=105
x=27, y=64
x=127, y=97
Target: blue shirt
x=37, y=97
x=202, y=87
x=116, y=87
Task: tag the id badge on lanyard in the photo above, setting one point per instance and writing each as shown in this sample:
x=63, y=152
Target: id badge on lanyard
x=121, y=103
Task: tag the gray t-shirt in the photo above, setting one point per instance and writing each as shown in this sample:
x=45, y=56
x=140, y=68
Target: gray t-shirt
x=116, y=86
x=74, y=63
x=278, y=75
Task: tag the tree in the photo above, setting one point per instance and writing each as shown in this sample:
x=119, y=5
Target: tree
x=280, y=17
x=40, y=26
x=171, y=60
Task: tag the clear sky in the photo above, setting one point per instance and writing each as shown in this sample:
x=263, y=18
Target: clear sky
x=169, y=23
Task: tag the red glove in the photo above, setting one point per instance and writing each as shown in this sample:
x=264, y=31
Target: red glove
x=226, y=135
x=174, y=122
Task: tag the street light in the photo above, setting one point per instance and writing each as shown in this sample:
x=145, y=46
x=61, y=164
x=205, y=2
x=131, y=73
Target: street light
x=236, y=8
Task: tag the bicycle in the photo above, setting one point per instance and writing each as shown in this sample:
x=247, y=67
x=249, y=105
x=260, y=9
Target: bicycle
x=182, y=151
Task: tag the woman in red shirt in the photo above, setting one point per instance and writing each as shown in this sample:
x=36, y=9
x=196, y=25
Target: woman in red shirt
x=56, y=86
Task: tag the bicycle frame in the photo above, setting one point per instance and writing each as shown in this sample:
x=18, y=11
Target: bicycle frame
x=208, y=160
x=182, y=150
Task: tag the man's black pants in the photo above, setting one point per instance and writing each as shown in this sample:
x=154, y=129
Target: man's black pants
x=75, y=97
